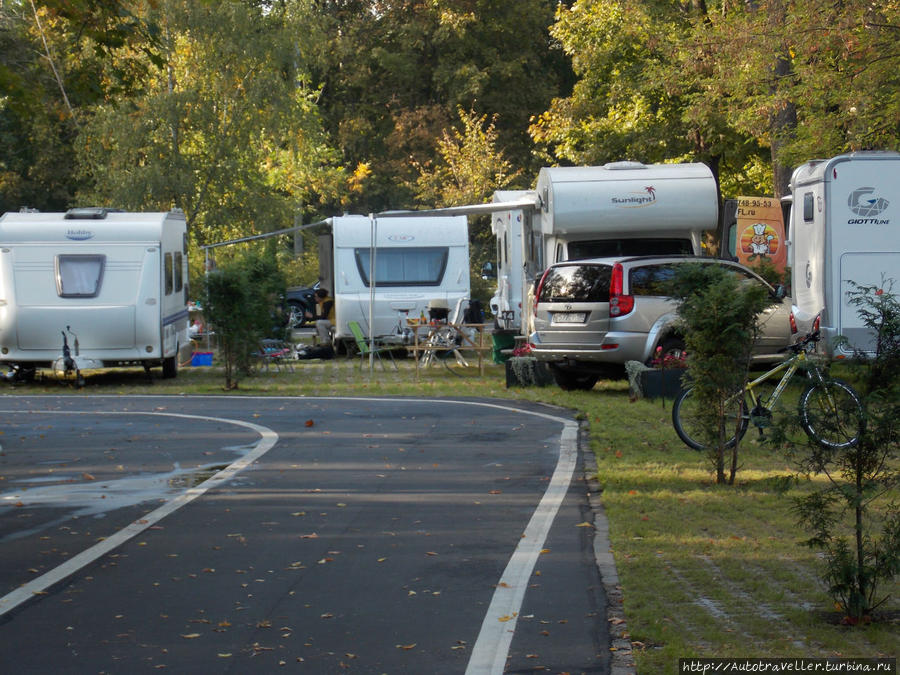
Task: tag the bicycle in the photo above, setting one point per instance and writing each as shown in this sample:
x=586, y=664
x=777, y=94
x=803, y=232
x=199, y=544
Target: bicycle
x=830, y=411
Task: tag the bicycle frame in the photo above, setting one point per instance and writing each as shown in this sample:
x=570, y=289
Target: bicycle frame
x=790, y=367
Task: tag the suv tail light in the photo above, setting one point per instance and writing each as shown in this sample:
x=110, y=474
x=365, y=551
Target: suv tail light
x=619, y=303
x=793, y=321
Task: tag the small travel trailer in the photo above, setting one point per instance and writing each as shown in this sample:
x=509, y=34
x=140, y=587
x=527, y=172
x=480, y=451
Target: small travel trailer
x=93, y=288
x=844, y=231
x=418, y=261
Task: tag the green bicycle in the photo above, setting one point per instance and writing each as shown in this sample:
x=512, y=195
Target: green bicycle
x=831, y=412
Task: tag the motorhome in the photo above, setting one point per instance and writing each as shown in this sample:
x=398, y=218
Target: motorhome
x=418, y=261
x=519, y=257
x=844, y=231
x=618, y=209
x=101, y=287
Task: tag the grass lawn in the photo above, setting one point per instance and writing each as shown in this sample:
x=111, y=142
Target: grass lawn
x=705, y=570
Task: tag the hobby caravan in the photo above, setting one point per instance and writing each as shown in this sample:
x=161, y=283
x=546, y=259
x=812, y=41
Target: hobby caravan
x=844, y=231
x=93, y=288
x=418, y=261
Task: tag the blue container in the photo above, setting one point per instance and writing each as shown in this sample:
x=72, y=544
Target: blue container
x=201, y=359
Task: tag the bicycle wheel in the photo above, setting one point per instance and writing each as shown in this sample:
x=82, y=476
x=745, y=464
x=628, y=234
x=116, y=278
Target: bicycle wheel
x=692, y=421
x=831, y=414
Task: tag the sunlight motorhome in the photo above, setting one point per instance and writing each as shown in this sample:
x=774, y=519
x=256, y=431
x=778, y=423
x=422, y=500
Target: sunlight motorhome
x=417, y=261
x=101, y=287
x=621, y=208
x=844, y=230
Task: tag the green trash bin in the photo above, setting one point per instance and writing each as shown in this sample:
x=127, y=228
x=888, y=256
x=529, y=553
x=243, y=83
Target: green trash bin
x=502, y=341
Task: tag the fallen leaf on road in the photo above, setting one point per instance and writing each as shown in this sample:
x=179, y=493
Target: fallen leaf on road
x=309, y=423
x=191, y=636
x=407, y=647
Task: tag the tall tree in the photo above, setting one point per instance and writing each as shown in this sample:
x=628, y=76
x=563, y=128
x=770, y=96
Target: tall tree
x=395, y=72
x=642, y=70
x=754, y=88
x=228, y=130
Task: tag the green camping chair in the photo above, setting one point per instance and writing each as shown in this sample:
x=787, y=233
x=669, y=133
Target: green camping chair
x=362, y=344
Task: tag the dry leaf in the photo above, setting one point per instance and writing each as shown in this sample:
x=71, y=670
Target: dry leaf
x=191, y=636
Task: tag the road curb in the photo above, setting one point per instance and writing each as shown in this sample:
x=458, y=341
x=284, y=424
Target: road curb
x=621, y=655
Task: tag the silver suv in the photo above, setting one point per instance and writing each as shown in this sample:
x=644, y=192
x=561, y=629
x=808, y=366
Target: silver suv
x=591, y=316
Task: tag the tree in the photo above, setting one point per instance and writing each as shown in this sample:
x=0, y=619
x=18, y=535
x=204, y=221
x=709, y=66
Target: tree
x=228, y=131
x=719, y=316
x=750, y=88
x=470, y=168
x=56, y=58
x=394, y=73
x=641, y=92
x=242, y=302
x=854, y=518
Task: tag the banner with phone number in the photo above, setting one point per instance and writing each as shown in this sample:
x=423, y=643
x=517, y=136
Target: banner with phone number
x=760, y=232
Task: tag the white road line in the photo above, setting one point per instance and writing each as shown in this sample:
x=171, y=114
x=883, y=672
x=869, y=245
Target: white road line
x=492, y=646
x=42, y=583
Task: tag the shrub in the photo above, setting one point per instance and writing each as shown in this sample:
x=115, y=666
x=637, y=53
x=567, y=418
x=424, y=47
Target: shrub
x=854, y=519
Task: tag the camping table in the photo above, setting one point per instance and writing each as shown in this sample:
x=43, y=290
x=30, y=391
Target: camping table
x=469, y=343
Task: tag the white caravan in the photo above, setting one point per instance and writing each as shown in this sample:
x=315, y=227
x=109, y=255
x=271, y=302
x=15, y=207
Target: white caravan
x=844, y=229
x=110, y=285
x=418, y=260
x=621, y=208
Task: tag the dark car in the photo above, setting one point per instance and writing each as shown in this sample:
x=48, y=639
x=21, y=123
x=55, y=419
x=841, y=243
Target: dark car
x=300, y=300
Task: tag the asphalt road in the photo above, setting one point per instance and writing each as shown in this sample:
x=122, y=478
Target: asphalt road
x=231, y=534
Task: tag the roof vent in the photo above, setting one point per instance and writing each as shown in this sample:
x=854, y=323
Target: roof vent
x=90, y=213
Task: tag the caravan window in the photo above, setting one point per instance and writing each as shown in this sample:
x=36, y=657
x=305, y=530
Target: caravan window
x=808, y=207
x=412, y=266
x=79, y=276
x=169, y=279
x=179, y=275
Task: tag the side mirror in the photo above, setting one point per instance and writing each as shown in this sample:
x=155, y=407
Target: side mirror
x=780, y=291
x=488, y=271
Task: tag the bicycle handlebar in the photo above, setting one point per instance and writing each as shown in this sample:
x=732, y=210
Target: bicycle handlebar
x=802, y=344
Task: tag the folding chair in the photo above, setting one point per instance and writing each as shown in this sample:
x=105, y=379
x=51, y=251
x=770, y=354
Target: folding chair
x=277, y=353
x=362, y=344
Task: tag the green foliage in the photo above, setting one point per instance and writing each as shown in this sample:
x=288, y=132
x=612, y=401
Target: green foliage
x=228, y=131
x=394, y=79
x=470, y=168
x=719, y=317
x=242, y=303
x=858, y=534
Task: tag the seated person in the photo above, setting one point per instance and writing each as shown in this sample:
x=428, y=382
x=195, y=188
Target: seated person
x=324, y=315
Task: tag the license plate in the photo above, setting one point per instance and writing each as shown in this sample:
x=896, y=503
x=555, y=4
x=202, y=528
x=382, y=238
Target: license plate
x=569, y=317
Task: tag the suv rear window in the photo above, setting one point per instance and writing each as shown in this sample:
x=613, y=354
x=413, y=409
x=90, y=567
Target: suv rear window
x=576, y=283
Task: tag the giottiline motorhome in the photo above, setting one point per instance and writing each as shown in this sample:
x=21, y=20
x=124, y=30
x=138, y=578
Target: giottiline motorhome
x=417, y=260
x=113, y=283
x=844, y=233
